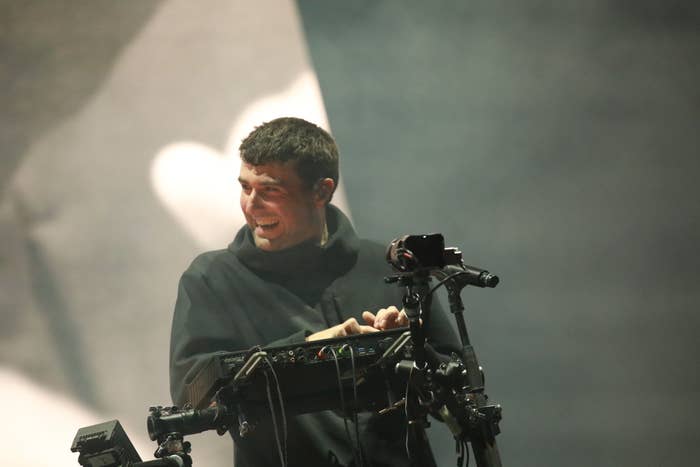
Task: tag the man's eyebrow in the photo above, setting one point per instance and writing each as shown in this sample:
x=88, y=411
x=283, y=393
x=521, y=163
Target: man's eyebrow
x=266, y=182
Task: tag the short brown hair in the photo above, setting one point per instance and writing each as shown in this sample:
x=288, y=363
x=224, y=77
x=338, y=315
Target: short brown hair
x=309, y=147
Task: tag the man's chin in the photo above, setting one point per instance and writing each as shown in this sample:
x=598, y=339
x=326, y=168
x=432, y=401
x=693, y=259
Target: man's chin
x=264, y=243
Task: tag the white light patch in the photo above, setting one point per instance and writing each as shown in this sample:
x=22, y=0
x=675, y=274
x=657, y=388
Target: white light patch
x=198, y=184
x=39, y=425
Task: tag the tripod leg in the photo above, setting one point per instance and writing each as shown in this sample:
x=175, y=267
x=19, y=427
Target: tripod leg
x=486, y=453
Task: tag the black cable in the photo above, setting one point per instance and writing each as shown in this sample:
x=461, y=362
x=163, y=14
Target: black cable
x=342, y=399
x=274, y=419
x=405, y=407
x=357, y=403
x=281, y=447
x=443, y=281
x=463, y=451
x=459, y=446
x=283, y=412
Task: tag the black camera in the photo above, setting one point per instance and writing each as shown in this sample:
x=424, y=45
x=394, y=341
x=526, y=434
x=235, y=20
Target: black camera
x=426, y=253
x=421, y=252
x=104, y=445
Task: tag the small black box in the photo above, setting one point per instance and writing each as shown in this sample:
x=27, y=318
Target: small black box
x=104, y=445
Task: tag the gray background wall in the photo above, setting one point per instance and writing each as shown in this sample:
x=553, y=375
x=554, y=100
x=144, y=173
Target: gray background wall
x=555, y=143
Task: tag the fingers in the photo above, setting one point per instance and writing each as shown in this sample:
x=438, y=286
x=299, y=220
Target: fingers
x=369, y=317
x=389, y=318
x=386, y=318
x=346, y=328
x=351, y=326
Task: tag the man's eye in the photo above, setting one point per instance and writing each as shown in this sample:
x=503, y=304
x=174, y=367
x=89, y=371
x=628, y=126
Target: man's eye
x=245, y=189
x=271, y=189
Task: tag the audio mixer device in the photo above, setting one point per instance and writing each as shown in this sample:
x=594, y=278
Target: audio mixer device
x=307, y=371
x=375, y=372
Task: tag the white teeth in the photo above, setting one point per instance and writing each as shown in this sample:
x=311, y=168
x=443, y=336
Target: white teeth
x=265, y=222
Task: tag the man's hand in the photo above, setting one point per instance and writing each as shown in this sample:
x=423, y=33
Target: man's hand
x=386, y=318
x=349, y=327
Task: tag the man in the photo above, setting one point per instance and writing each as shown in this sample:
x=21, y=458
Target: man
x=295, y=272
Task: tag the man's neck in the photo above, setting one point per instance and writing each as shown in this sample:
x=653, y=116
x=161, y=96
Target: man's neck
x=324, y=235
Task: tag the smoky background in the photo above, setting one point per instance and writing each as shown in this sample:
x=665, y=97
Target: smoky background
x=556, y=144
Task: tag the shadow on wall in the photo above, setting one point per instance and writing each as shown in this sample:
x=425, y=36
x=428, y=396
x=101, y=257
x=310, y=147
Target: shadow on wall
x=54, y=57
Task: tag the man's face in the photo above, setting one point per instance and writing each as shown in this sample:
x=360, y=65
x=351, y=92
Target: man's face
x=279, y=209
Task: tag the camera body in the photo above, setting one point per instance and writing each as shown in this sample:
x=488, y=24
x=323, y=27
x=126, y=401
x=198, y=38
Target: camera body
x=420, y=252
x=104, y=445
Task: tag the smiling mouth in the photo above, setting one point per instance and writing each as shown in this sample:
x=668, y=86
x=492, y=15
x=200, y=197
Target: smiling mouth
x=266, y=223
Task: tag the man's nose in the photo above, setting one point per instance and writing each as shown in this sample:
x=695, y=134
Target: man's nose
x=253, y=200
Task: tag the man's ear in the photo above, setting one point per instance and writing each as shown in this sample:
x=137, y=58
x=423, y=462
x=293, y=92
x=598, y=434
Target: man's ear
x=323, y=190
